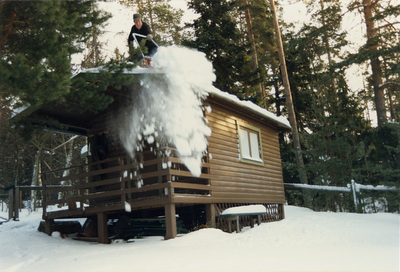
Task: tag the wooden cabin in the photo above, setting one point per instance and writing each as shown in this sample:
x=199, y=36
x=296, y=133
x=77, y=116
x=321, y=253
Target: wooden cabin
x=242, y=167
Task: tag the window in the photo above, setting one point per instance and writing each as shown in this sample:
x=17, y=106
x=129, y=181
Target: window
x=250, y=144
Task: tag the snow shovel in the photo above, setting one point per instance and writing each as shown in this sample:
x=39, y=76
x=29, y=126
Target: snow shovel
x=147, y=58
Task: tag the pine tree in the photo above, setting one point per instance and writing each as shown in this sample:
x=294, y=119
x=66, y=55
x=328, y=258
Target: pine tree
x=250, y=33
x=164, y=20
x=37, y=40
x=330, y=114
x=267, y=52
x=382, y=50
x=94, y=57
x=217, y=35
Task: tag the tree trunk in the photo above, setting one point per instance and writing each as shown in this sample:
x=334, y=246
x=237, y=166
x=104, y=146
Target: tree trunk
x=250, y=37
x=375, y=62
x=290, y=108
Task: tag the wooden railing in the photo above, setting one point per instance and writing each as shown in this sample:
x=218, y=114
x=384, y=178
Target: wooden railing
x=109, y=184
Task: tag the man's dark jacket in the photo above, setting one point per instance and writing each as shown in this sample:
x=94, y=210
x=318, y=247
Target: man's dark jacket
x=144, y=30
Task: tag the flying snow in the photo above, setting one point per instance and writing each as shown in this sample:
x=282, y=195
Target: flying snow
x=169, y=109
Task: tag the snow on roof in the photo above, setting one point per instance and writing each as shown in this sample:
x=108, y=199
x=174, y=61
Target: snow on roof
x=282, y=121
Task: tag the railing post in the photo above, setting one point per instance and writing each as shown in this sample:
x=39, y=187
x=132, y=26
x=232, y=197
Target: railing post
x=353, y=188
x=17, y=199
x=121, y=176
x=81, y=182
x=44, y=195
x=159, y=178
x=11, y=203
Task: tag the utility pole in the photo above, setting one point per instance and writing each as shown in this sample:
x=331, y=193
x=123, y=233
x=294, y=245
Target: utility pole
x=289, y=101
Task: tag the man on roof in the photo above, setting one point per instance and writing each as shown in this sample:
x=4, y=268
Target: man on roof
x=142, y=28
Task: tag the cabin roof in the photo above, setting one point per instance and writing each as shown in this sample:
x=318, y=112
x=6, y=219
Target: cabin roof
x=281, y=121
x=77, y=122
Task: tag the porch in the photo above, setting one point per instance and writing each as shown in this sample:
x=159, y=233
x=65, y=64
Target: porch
x=122, y=184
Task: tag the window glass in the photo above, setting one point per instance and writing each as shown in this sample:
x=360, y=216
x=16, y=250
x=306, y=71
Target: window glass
x=244, y=143
x=254, y=146
x=250, y=146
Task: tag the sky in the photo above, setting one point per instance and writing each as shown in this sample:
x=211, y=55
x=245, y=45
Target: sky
x=118, y=27
x=304, y=241
x=117, y=30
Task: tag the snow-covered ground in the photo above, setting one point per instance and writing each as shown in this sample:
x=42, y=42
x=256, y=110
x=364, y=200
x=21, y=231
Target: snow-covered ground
x=304, y=241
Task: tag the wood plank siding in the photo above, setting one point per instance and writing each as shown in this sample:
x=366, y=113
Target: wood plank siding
x=233, y=181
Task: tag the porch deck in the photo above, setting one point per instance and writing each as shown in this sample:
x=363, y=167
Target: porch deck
x=119, y=184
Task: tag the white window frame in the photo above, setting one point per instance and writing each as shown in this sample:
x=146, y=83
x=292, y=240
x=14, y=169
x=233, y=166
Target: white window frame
x=250, y=145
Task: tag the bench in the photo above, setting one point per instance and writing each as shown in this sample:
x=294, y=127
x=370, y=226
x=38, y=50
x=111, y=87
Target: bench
x=234, y=214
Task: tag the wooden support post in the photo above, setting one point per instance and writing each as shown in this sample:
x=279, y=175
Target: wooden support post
x=281, y=211
x=102, y=230
x=11, y=204
x=17, y=200
x=210, y=215
x=170, y=220
x=229, y=225
x=237, y=224
x=48, y=226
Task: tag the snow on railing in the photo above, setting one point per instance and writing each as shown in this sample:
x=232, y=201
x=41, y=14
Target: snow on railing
x=358, y=187
x=319, y=187
x=352, y=187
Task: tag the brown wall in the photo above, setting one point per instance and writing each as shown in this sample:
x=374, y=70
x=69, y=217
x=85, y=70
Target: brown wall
x=232, y=181
x=236, y=181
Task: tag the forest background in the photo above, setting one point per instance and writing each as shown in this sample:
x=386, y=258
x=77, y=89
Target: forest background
x=339, y=142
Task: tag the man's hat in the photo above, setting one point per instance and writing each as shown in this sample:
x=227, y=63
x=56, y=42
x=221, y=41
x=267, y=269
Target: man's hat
x=137, y=16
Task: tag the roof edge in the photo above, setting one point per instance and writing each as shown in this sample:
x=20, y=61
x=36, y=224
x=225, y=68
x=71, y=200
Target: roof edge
x=281, y=121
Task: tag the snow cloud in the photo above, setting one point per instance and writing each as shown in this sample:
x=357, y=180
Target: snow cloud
x=168, y=109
